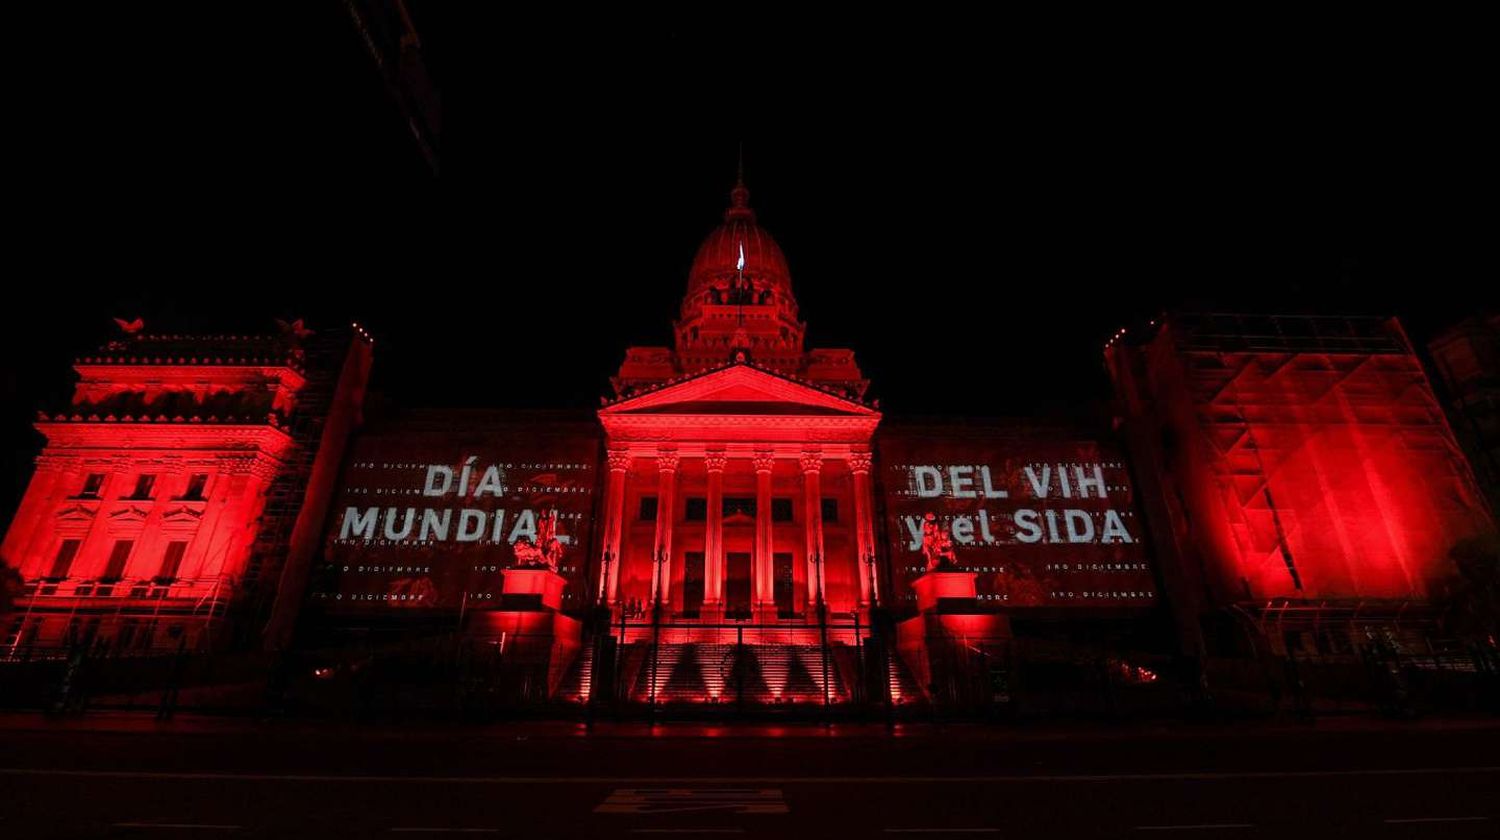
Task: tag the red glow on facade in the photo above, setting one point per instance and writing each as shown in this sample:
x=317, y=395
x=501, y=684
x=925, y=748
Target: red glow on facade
x=713, y=533
x=139, y=528
x=1299, y=458
x=739, y=483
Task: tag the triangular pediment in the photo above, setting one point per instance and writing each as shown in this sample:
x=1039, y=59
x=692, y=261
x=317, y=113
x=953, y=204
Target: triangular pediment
x=130, y=513
x=75, y=513
x=182, y=513
x=739, y=390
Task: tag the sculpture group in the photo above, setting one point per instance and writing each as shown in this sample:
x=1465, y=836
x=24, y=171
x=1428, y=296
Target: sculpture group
x=937, y=544
x=546, y=551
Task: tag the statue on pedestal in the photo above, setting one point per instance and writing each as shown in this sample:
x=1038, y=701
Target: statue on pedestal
x=937, y=544
x=546, y=552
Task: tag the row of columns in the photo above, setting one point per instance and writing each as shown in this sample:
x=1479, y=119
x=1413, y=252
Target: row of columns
x=715, y=461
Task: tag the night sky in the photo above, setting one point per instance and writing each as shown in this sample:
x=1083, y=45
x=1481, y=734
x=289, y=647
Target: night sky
x=973, y=213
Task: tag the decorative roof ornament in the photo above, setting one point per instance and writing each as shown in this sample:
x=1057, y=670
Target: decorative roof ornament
x=296, y=329
x=739, y=197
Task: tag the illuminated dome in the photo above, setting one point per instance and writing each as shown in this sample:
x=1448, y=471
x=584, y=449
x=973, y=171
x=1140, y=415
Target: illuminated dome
x=738, y=307
x=717, y=262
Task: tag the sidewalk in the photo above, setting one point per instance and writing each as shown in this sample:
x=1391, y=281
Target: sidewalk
x=198, y=724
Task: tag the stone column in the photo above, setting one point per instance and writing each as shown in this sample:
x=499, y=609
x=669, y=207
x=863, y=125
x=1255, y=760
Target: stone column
x=212, y=535
x=812, y=489
x=29, y=544
x=765, y=597
x=713, y=533
x=614, y=522
x=864, y=529
x=222, y=547
x=666, y=489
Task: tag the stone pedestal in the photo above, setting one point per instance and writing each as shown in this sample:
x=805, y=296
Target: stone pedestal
x=952, y=634
x=528, y=628
x=952, y=591
x=518, y=584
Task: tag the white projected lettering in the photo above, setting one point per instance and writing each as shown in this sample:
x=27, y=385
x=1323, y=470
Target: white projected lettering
x=463, y=524
x=1041, y=514
x=440, y=480
x=433, y=510
x=1040, y=520
x=424, y=525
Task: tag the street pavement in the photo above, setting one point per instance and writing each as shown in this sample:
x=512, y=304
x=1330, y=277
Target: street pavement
x=123, y=776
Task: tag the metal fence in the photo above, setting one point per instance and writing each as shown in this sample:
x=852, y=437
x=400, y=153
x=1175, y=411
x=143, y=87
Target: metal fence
x=840, y=669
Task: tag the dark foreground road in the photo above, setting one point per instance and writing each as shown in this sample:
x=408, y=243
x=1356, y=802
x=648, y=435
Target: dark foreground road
x=126, y=778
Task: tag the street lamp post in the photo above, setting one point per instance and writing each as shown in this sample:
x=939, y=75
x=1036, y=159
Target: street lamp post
x=661, y=558
x=604, y=579
x=822, y=625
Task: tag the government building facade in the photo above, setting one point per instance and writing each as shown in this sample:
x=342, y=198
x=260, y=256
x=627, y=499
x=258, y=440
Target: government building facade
x=739, y=526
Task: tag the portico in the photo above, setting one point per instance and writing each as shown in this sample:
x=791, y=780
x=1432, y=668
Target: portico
x=738, y=494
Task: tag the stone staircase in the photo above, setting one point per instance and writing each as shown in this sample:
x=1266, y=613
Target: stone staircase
x=904, y=688
x=578, y=681
x=768, y=674
x=710, y=673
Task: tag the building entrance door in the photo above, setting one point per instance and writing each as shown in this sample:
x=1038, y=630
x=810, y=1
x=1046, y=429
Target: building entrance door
x=737, y=584
x=692, y=584
x=783, y=584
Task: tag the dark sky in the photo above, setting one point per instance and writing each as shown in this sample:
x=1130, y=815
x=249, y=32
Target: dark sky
x=973, y=209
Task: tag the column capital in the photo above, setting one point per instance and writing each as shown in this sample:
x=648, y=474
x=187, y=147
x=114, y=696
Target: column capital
x=812, y=460
x=715, y=460
x=765, y=459
x=619, y=460
x=667, y=459
x=859, y=463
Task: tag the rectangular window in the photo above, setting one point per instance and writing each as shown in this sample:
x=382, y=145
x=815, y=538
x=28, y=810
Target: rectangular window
x=697, y=509
x=1293, y=640
x=64, y=559
x=143, y=485
x=739, y=506
x=91, y=486
x=147, y=636
x=648, y=509
x=737, y=585
x=830, y=510
x=781, y=510
x=783, y=584
x=195, y=487
x=115, y=568
x=127, y=635
x=692, y=583
x=90, y=632
x=171, y=561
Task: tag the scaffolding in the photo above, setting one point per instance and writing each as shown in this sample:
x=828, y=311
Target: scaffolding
x=1321, y=465
x=286, y=495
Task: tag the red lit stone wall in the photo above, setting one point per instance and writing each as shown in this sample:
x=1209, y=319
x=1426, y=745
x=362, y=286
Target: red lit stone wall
x=1047, y=517
x=431, y=504
x=137, y=527
x=1298, y=459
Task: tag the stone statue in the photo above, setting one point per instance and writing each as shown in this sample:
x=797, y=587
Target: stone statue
x=546, y=552
x=296, y=330
x=937, y=544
